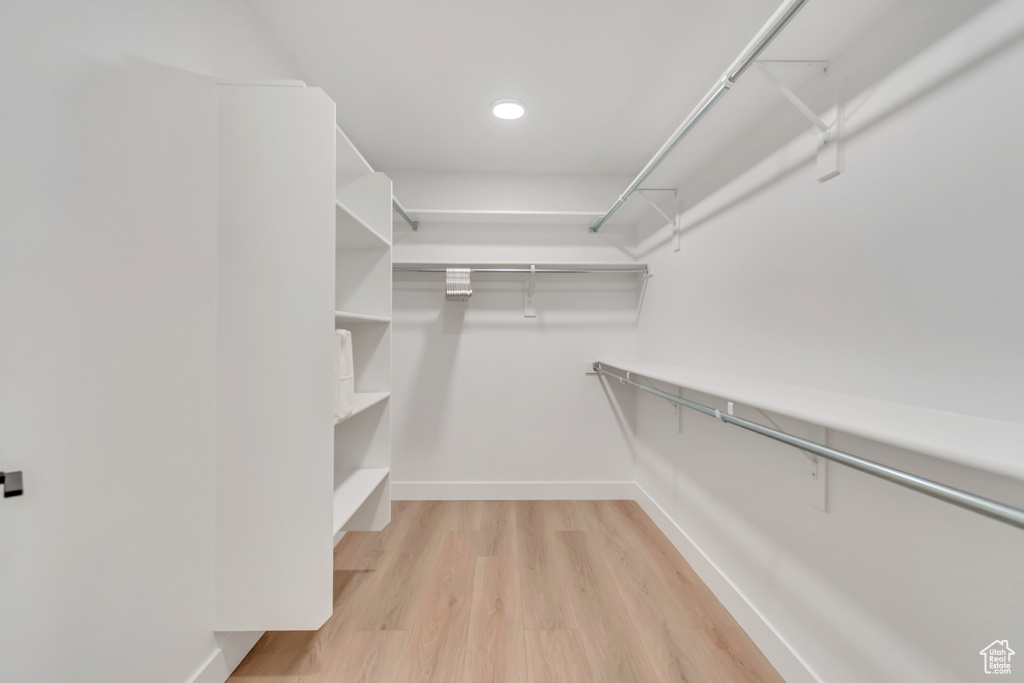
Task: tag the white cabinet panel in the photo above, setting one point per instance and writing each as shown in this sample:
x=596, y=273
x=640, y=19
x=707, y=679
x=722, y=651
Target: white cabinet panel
x=276, y=315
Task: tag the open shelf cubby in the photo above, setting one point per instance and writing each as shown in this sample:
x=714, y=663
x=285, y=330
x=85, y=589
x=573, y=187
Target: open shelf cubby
x=358, y=495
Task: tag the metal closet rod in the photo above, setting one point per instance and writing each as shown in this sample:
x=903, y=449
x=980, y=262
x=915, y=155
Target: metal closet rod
x=415, y=225
x=442, y=269
x=778, y=21
x=985, y=506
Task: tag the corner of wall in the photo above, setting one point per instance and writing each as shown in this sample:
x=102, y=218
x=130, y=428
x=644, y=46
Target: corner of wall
x=234, y=646
x=780, y=653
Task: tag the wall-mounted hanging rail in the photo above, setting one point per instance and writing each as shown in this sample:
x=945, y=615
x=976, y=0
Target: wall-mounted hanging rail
x=458, y=286
x=762, y=40
x=985, y=506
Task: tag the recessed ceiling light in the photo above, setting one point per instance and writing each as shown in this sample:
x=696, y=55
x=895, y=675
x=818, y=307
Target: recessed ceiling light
x=508, y=109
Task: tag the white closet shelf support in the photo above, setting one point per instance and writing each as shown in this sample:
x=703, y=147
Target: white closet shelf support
x=351, y=489
x=363, y=401
x=829, y=162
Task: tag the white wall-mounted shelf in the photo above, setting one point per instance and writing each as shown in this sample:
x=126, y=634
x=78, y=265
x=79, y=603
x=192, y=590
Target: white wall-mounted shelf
x=595, y=265
x=346, y=317
x=510, y=217
x=977, y=442
x=364, y=400
x=352, y=488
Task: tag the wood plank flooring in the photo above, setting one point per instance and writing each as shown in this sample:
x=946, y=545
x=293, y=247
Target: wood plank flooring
x=513, y=592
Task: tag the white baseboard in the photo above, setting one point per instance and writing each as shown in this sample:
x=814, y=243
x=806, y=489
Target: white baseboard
x=786, y=661
x=519, y=490
x=234, y=646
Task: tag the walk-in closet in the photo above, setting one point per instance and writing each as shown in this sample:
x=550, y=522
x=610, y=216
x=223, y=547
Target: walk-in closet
x=533, y=342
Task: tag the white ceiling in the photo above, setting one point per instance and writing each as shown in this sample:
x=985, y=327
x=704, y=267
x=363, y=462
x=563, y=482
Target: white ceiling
x=605, y=82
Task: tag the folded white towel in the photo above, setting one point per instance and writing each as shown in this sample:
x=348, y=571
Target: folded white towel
x=344, y=385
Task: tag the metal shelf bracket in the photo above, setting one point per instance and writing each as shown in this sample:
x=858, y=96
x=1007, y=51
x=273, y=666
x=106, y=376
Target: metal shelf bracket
x=829, y=165
x=674, y=220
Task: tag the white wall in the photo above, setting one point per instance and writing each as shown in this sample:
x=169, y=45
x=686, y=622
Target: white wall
x=507, y=191
x=898, y=280
x=892, y=280
x=483, y=394
x=108, y=350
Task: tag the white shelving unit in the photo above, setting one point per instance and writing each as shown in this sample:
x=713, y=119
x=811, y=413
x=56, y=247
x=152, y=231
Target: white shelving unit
x=359, y=495
x=362, y=441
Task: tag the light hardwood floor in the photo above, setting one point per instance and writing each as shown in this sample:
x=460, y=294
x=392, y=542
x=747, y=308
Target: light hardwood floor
x=513, y=592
